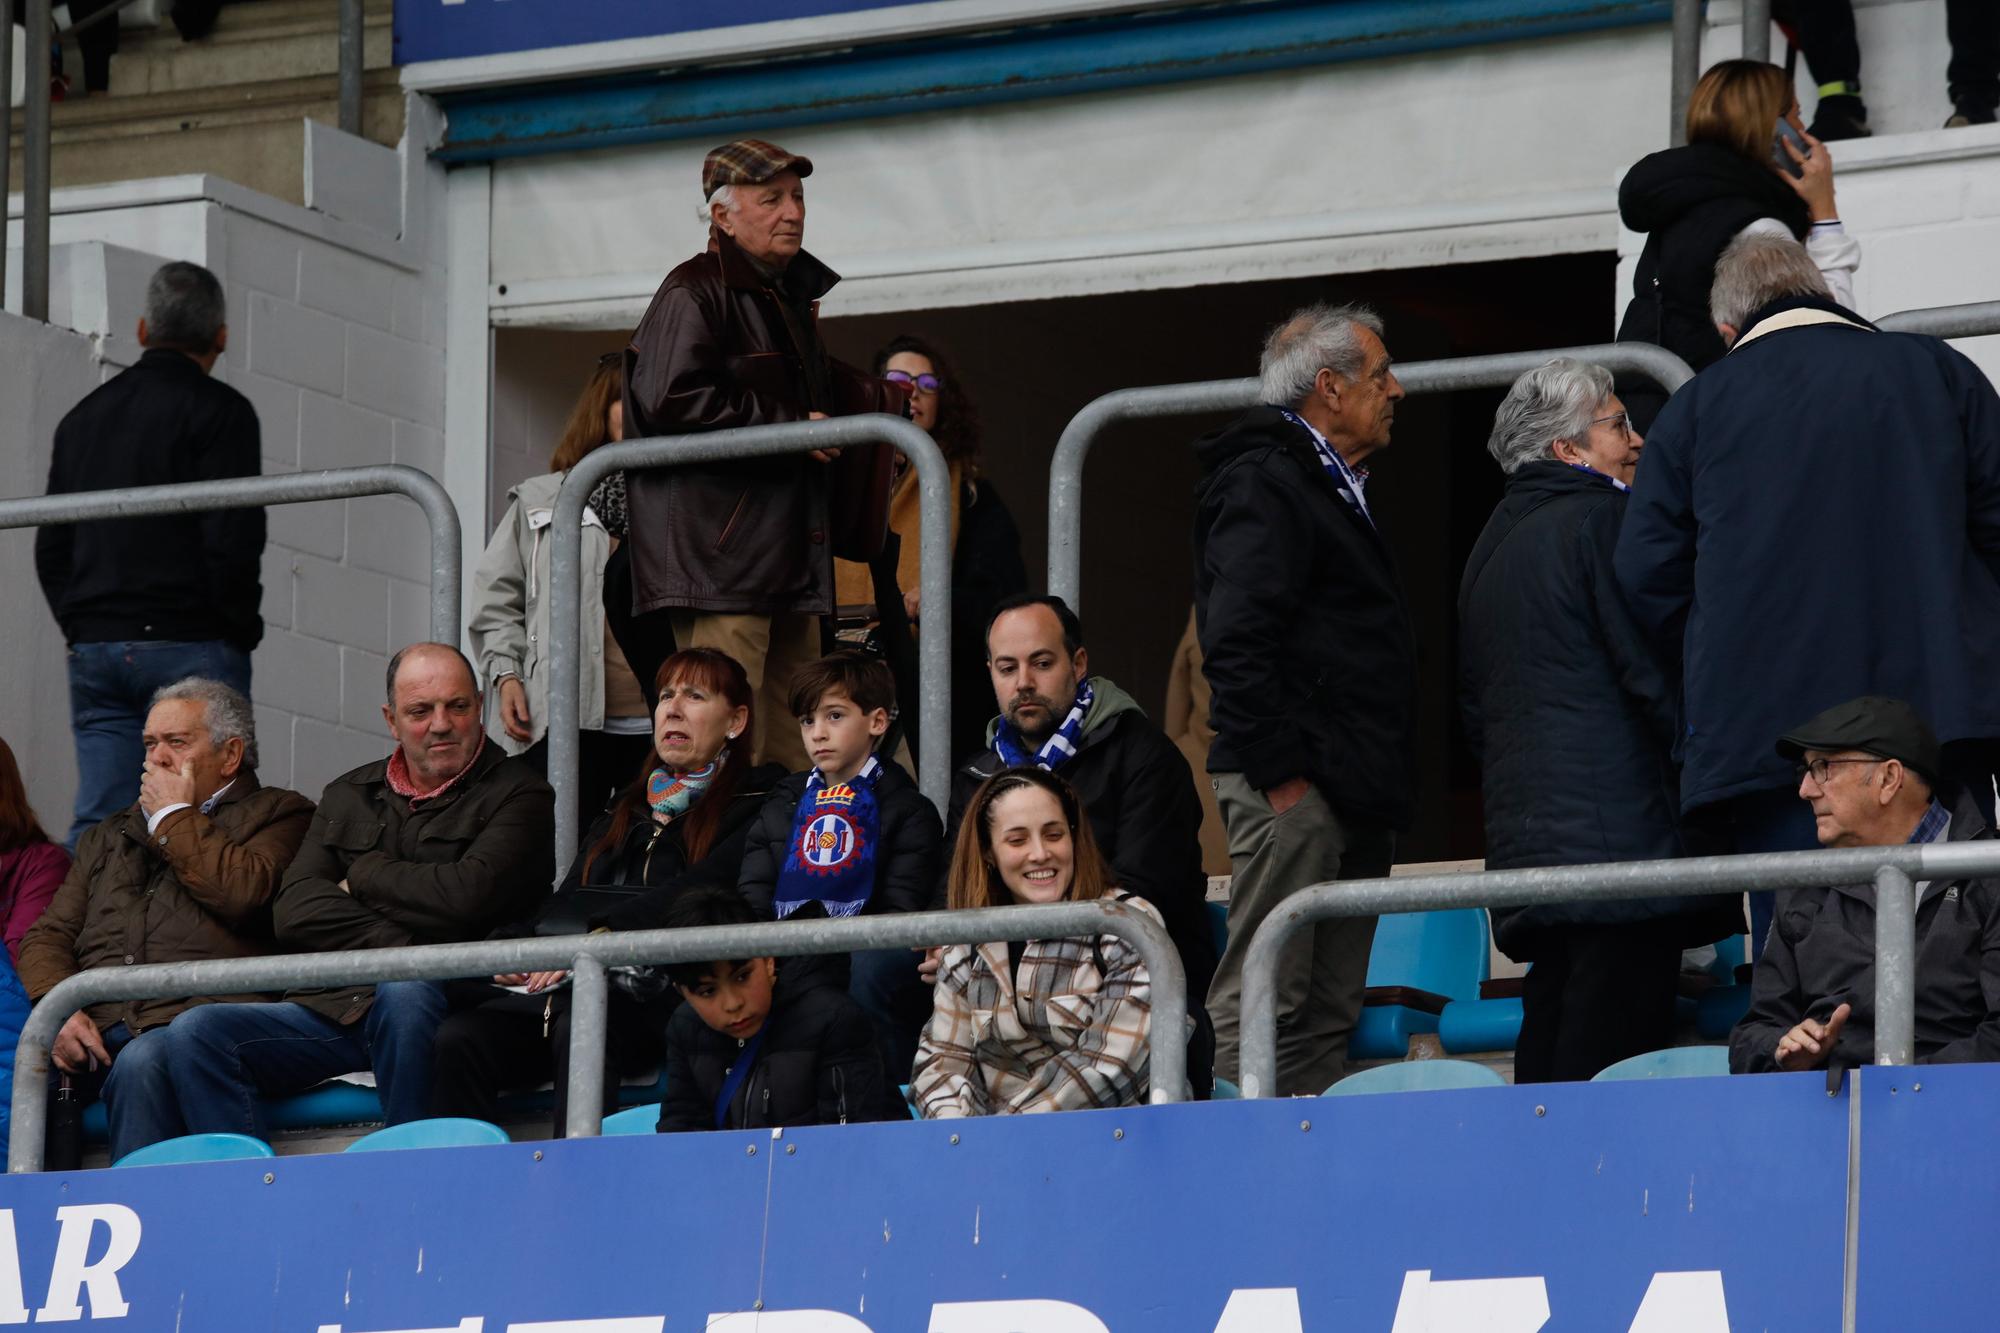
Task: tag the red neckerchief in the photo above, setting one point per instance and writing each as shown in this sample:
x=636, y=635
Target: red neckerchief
x=399, y=776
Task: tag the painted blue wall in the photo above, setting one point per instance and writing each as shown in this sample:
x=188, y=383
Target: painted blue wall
x=444, y=29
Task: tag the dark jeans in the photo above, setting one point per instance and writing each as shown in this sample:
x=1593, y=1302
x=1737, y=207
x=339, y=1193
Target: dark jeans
x=1762, y=821
x=607, y=765
x=1596, y=995
x=111, y=685
x=137, y=1093
x=886, y=984
x=1827, y=41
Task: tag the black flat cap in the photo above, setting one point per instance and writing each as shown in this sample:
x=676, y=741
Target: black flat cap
x=1872, y=724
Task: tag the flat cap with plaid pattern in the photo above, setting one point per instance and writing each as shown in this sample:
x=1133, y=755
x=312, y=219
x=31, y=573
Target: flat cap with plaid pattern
x=748, y=162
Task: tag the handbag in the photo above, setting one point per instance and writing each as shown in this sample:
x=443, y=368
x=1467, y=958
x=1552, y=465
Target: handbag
x=858, y=484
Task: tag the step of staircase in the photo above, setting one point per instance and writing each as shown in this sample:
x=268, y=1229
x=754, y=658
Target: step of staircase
x=261, y=41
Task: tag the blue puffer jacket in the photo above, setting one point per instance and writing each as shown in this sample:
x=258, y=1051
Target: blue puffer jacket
x=14, y=1007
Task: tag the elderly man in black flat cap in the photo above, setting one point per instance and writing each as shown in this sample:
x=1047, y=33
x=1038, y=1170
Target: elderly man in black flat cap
x=1869, y=768
x=740, y=555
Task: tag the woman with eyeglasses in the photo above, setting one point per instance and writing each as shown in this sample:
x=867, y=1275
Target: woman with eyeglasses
x=986, y=545
x=510, y=613
x=1574, y=721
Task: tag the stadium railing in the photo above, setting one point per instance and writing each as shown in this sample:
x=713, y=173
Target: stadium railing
x=1974, y=319
x=195, y=497
x=1894, y=870
x=793, y=437
x=1179, y=400
x=587, y=957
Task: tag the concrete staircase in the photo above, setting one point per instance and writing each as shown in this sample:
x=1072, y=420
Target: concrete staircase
x=230, y=105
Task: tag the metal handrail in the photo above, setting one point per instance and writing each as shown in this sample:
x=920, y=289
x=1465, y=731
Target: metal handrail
x=1971, y=320
x=587, y=956
x=1892, y=869
x=792, y=437
x=1175, y=400
x=191, y=497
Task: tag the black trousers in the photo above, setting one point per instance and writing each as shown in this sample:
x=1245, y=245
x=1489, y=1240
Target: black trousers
x=1596, y=995
x=495, y=1041
x=1827, y=41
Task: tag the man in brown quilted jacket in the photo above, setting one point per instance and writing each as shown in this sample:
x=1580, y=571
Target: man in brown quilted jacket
x=186, y=874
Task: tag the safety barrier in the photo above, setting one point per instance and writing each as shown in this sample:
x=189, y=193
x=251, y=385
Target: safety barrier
x=1176, y=400
x=195, y=497
x=566, y=572
x=587, y=957
x=1894, y=871
x=1972, y=320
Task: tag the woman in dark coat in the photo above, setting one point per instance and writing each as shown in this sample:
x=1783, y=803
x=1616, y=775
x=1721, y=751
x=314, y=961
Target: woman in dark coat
x=683, y=822
x=1574, y=723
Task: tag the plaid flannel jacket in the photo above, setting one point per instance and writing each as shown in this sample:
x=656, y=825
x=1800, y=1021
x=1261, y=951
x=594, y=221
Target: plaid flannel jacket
x=1066, y=1037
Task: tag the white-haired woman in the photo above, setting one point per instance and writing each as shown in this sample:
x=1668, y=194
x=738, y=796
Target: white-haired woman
x=1574, y=723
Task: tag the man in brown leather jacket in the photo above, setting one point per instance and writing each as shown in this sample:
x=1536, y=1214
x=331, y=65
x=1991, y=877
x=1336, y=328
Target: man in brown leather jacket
x=186, y=874
x=740, y=553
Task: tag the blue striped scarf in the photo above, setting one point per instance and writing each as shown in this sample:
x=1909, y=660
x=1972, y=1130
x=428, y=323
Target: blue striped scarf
x=1057, y=750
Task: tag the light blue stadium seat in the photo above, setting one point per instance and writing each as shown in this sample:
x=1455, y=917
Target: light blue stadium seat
x=1421, y=963
x=1468, y=1026
x=633, y=1120
x=1218, y=923
x=1674, y=1062
x=909, y=1101
x=444, y=1132
x=1225, y=1091
x=1418, y=1076
x=197, y=1148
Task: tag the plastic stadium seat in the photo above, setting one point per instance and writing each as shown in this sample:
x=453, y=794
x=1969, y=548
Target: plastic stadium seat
x=1421, y=962
x=445, y=1132
x=1225, y=1091
x=1218, y=922
x=1467, y=1026
x=633, y=1120
x=1720, y=1010
x=197, y=1148
x=1674, y=1062
x=1418, y=1076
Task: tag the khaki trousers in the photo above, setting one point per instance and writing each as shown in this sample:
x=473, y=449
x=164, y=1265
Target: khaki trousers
x=1324, y=967
x=771, y=649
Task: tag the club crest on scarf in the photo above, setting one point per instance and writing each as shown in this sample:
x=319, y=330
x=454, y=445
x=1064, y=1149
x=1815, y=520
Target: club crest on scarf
x=831, y=859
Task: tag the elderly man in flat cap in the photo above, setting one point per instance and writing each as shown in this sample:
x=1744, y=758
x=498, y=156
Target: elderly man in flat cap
x=739, y=555
x=1869, y=768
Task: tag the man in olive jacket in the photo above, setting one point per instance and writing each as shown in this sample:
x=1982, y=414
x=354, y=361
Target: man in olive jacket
x=443, y=841
x=186, y=874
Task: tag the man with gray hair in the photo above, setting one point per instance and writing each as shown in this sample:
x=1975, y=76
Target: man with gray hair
x=146, y=601
x=739, y=556
x=186, y=874
x=1818, y=518
x=1306, y=642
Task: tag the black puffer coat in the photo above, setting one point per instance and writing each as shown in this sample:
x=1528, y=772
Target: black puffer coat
x=1570, y=713
x=909, y=843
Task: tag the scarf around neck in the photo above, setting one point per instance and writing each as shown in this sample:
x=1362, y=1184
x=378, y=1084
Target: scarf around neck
x=1058, y=749
x=670, y=794
x=406, y=787
x=831, y=856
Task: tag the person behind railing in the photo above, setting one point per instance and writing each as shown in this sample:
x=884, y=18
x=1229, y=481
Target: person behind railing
x=509, y=628
x=1737, y=175
x=1036, y=1025
x=1307, y=646
x=682, y=821
x=852, y=835
x=1132, y=781
x=441, y=842
x=760, y=1043
x=1827, y=40
x=1573, y=719
x=739, y=555
x=1818, y=517
x=144, y=602
x=31, y=866
x=186, y=874
x=1871, y=774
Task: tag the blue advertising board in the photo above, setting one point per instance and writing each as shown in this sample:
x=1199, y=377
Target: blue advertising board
x=444, y=29
x=1577, y=1209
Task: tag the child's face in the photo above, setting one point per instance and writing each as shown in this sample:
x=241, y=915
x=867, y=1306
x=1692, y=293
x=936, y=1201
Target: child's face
x=839, y=735
x=734, y=998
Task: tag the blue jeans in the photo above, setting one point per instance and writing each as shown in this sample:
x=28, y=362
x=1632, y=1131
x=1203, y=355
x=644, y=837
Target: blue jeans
x=227, y=1056
x=1763, y=821
x=137, y=1093
x=887, y=986
x=111, y=685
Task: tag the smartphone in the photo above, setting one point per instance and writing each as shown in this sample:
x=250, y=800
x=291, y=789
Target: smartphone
x=1780, y=157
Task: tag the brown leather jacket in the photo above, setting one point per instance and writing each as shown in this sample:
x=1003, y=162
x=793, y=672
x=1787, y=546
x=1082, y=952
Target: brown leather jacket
x=198, y=888
x=719, y=347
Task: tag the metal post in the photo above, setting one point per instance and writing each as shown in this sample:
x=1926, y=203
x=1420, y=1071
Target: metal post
x=194, y=497
x=35, y=167
x=6, y=136
x=589, y=1020
x=1757, y=29
x=1175, y=400
x=566, y=574
x=352, y=62
x=1972, y=320
x=1895, y=968
x=1686, y=70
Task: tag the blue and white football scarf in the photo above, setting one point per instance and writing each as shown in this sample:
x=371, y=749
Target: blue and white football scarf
x=1058, y=749
x=1585, y=467
x=1351, y=482
x=831, y=859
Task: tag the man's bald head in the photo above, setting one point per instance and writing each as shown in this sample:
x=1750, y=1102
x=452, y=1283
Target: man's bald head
x=428, y=652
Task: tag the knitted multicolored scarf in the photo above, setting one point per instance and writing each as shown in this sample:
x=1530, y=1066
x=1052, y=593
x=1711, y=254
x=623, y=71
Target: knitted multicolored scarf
x=1057, y=750
x=831, y=856
x=670, y=793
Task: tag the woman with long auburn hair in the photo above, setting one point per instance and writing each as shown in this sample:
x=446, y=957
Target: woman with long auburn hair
x=31, y=866
x=681, y=821
x=1036, y=1025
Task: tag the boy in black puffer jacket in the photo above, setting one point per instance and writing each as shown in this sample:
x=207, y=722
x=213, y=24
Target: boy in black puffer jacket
x=753, y=1050
x=851, y=835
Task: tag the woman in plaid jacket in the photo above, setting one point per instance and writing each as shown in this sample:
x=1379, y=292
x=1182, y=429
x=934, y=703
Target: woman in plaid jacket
x=1041, y=1025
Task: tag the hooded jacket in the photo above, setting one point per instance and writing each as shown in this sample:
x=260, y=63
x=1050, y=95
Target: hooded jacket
x=1140, y=797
